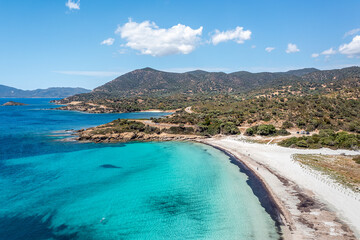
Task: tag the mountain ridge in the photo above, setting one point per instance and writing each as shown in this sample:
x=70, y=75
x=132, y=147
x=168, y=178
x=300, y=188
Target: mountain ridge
x=52, y=92
x=145, y=89
x=148, y=81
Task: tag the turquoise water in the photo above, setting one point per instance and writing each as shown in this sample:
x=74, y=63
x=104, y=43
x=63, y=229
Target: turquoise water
x=52, y=189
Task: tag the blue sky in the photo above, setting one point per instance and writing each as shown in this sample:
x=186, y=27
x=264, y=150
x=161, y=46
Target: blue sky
x=88, y=43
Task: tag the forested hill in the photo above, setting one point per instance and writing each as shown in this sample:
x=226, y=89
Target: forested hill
x=54, y=92
x=151, y=82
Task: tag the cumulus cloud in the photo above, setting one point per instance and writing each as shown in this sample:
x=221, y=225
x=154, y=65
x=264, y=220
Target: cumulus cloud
x=329, y=51
x=149, y=39
x=352, y=48
x=73, y=5
x=109, y=41
x=315, y=55
x=269, y=49
x=239, y=35
x=352, y=32
x=292, y=48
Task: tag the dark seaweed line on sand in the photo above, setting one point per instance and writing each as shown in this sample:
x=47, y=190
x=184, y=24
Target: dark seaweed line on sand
x=259, y=189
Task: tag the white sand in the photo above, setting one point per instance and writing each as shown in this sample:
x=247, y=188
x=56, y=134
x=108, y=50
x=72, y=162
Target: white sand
x=271, y=160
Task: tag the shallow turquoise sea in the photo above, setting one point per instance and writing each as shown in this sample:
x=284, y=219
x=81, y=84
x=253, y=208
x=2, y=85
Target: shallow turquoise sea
x=53, y=189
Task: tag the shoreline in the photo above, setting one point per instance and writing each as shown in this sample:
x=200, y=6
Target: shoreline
x=269, y=201
x=304, y=214
x=260, y=189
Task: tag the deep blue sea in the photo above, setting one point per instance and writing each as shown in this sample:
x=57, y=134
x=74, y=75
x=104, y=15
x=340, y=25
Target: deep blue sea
x=56, y=189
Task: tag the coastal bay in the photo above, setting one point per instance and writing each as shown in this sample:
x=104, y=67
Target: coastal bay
x=305, y=210
x=61, y=189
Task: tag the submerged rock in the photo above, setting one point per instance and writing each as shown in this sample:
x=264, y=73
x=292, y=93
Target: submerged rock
x=109, y=166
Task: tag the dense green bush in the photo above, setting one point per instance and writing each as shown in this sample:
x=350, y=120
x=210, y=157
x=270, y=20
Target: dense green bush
x=250, y=131
x=282, y=132
x=229, y=128
x=180, y=130
x=287, y=125
x=265, y=130
x=302, y=143
x=325, y=138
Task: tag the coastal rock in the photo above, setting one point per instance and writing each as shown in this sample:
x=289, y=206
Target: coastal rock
x=12, y=103
x=87, y=135
x=128, y=136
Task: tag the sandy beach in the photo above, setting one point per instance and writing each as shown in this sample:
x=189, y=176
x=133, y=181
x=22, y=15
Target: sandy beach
x=312, y=206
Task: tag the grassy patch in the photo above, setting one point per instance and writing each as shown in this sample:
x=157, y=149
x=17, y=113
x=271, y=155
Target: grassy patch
x=343, y=169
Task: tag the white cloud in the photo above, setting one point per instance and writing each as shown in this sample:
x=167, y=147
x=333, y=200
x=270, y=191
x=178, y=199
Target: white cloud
x=292, y=48
x=315, y=55
x=351, y=49
x=352, y=32
x=73, y=5
x=269, y=49
x=239, y=35
x=109, y=41
x=149, y=39
x=329, y=51
x=90, y=73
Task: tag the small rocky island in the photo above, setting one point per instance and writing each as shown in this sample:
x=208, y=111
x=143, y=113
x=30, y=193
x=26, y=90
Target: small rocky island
x=12, y=103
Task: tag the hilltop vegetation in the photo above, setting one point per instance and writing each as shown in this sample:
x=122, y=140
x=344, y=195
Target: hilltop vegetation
x=264, y=104
x=153, y=83
x=305, y=112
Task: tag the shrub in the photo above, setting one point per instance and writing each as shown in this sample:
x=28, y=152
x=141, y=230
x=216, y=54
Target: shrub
x=266, y=130
x=282, y=132
x=249, y=131
x=302, y=143
x=229, y=128
x=326, y=138
x=300, y=123
x=326, y=133
x=287, y=125
x=180, y=130
x=357, y=159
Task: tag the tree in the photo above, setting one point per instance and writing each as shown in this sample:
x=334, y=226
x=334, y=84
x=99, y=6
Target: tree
x=266, y=130
x=249, y=131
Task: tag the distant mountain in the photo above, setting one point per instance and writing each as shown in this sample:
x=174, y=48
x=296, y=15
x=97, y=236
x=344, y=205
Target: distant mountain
x=151, y=82
x=54, y=92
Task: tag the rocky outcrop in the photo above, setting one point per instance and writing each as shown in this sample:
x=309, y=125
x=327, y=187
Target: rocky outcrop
x=12, y=103
x=86, y=135
x=85, y=107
